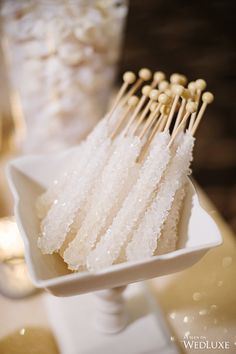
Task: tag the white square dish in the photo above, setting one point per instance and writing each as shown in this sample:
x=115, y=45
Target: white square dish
x=29, y=176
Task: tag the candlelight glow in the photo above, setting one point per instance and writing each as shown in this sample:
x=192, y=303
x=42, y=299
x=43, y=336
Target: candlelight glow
x=11, y=245
x=14, y=278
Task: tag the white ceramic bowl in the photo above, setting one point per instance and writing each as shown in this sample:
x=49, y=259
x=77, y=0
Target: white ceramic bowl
x=29, y=176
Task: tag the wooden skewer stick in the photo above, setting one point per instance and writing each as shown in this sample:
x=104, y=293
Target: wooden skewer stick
x=161, y=122
x=207, y=98
x=185, y=96
x=165, y=111
x=162, y=99
x=157, y=78
x=200, y=86
x=157, y=128
x=150, y=120
x=144, y=75
x=153, y=108
x=147, y=144
x=145, y=91
x=191, y=107
x=129, y=77
x=192, y=89
x=180, y=113
x=177, y=90
x=168, y=91
x=153, y=97
x=132, y=102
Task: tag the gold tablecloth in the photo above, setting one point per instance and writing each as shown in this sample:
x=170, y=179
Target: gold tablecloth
x=200, y=302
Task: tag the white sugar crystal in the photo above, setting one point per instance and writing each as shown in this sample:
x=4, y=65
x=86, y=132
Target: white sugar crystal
x=109, y=193
x=144, y=240
x=71, y=201
x=111, y=243
x=45, y=200
x=73, y=231
x=168, y=239
x=76, y=165
x=72, y=198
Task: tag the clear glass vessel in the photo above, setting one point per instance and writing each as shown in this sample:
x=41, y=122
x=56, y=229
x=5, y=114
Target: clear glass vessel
x=61, y=57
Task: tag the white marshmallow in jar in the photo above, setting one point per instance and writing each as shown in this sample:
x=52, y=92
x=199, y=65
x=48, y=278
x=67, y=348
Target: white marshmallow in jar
x=61, y=57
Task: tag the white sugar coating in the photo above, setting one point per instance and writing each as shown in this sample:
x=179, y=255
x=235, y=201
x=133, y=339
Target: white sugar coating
x=114, y=118
x=168, y=238
x=45, y=200
x=144, y=240
x=111, y=243
x=72, y=198
x=76, y=165
x=71, y=201
x=72, y=232
x=110, y=192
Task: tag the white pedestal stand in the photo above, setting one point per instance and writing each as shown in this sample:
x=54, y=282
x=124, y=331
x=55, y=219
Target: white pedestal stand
x=110, y=314
x=105, y=323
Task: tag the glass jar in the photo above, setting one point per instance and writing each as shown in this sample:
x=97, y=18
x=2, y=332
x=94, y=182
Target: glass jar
x=61, y=57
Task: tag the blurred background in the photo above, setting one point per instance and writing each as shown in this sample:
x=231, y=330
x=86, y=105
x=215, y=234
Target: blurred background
x=193, y=38
x=196, y=38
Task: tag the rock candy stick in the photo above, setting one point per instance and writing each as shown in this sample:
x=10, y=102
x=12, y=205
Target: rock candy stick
x=111, y=243
x=76, y=166
x=72, y=199
x=168, y=239
x=108, y=192
x=144, y=240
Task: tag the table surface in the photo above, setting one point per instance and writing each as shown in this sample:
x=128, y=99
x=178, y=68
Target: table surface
x=200, y=302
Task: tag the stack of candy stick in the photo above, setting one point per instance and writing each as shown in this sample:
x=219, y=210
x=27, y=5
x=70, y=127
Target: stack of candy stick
x=120, y=195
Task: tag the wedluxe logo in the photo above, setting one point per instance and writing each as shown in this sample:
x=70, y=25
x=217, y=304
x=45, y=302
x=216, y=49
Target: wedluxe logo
x=202, y=343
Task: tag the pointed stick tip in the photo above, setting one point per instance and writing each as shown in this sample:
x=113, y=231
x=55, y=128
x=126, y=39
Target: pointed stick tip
x=192, y=86
x=159, y=76
x=163, y=98
x=146, y=90
x=207, y=97
x=176, y=78
x=153, y=95
x=177, y=89
x=145, y=74
x=201, y=84
x=132, y=101
x=163, y=85
x=129, y=77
